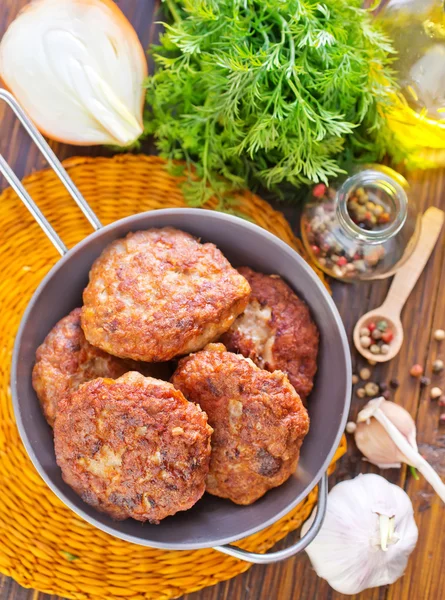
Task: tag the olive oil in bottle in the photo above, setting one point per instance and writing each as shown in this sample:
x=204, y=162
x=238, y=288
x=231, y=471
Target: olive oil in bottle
x=417, y=28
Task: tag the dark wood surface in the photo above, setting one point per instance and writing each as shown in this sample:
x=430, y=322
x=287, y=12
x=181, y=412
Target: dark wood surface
x=424, y=312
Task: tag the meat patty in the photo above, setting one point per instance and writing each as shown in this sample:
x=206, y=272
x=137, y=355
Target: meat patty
x=276, y=331
x=160, y=293
x=65, y=360
x=133, y=447
x=258, y=419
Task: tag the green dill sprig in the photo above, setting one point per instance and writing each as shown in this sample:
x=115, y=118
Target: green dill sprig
x=268, y=92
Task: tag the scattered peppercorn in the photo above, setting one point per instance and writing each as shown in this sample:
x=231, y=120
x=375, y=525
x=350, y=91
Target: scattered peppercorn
x=439, y=335
x=383, y=386
x=394, y=383
x=355, y=379
x=365, y=341
x=382, y=326
x=416, y=371
x=365, y=374
x=437, y=366
x=351, y=427
x=361, y=392
x=388, y=336
x=319, y=190
x=365, y=213
x=376, y=336
x=321, y=233
x=371, y=389
x=435, y=393
x=424, y=381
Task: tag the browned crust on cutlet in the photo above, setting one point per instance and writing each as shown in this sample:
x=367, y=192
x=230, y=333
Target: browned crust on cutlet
x=133, y=447
x=160, y=293
x=296, y=337
x=65, y=360
x=258, y=419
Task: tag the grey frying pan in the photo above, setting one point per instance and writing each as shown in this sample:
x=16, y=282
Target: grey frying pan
x=212, y=522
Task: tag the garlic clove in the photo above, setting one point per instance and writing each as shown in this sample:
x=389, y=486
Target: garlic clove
x=376, y=445
x=385, y=465
x=77, y=67
x=395, y=413
x=373, y=440
x=399, y=437
x=367, y=535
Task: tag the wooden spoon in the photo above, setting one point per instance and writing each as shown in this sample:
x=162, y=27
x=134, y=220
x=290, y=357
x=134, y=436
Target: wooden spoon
x=401, y=287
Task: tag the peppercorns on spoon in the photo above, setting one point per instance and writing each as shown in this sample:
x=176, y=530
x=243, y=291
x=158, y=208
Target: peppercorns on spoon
x=385, y=320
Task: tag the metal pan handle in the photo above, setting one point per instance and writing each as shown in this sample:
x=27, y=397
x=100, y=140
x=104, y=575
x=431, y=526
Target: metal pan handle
x=273, y=557
x=63, y=176
x=55, y=165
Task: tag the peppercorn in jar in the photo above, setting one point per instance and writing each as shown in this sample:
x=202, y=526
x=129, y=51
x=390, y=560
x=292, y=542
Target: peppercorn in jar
x=363, y=228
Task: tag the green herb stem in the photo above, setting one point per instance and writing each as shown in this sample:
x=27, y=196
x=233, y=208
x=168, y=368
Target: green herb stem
x=268, y=92
x=414, y=473
x=174, y=13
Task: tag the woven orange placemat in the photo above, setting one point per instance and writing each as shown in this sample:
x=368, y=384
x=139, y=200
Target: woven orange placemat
x=43, y=544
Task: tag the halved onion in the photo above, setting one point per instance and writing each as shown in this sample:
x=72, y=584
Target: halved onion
x=77, y=68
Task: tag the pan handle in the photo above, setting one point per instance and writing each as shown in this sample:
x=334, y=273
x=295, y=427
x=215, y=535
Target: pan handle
x=55, y=165
x=273, y=557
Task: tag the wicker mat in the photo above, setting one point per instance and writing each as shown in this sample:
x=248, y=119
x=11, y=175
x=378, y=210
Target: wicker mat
x=43, y=544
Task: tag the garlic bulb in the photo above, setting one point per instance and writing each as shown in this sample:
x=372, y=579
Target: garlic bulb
x=386, y=435
x=367, y=535
x=77, y=67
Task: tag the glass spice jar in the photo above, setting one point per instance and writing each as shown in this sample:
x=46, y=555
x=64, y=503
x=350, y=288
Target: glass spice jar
x=363, y=227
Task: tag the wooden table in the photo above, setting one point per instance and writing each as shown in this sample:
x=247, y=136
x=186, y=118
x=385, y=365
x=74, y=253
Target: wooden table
x=425, y=311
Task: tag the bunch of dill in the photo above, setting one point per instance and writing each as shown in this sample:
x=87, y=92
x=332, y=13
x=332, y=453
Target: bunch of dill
x=267, y=92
